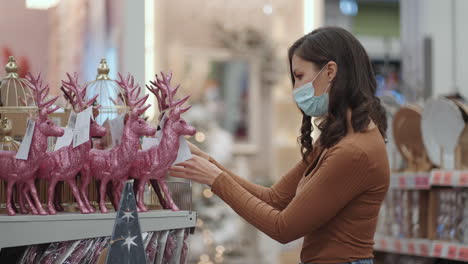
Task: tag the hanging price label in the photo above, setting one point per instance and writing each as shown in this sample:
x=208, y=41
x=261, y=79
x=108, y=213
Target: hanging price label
x=23, y=151
x=411, y=248
x=463, y=253
x=448, y=178
x=422, y=181
x=424, y=249
x=402, y=182
x=437, y=250
x=463, y=179
x=82, y=126
x=397, y=245
x=452, y=252
x=437, y=177
x=383, y=244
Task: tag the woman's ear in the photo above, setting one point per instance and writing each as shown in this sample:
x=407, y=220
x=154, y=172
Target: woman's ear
x=331, y=70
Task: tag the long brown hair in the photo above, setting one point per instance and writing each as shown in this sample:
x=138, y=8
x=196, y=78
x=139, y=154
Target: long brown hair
x=353, y=87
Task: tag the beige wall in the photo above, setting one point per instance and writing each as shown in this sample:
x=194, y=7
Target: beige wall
x=26, y=33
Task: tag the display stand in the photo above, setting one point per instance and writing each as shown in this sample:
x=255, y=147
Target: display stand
x=21, y=230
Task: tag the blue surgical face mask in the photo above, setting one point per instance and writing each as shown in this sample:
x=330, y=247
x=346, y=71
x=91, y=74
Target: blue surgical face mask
x=315, y=106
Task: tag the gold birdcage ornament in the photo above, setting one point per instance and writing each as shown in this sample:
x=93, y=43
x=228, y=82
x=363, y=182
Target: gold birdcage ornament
x=7, y=143
x=16, y=102
x=111, y=100
x=16, y=105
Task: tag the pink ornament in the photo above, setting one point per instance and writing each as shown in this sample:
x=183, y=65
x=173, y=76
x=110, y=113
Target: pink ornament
x=113, y=165
x=22, y=172
x=65, y=163
x=154, y=162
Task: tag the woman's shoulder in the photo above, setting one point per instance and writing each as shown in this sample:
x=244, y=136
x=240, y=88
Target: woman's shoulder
x=369, y=143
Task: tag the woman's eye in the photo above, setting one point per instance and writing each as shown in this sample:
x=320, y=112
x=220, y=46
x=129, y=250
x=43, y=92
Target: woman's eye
x=298, y=76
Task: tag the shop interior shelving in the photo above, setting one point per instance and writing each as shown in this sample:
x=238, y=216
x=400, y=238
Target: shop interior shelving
x=425, y=247
x=23, y=230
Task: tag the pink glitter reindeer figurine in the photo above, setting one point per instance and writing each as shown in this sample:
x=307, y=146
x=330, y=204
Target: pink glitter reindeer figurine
x=112, y=166
x=22, y=172
x=155, y=161
x=65, y=163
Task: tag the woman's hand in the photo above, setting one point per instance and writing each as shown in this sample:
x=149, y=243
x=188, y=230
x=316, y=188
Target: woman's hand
x=197, y=151
x=197, y=169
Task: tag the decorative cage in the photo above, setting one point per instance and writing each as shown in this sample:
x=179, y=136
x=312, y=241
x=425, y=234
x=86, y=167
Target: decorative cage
x=16, y=104
x=7, y=143
x=16, y=101
x=110, y=94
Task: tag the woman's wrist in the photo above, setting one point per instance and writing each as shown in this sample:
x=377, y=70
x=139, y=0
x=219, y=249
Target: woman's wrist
x=215, y=176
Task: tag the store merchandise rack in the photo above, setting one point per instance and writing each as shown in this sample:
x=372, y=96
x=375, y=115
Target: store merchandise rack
x=21, y=230
x=428, y=246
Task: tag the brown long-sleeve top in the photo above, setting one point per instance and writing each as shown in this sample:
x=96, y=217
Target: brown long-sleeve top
x=333, y=202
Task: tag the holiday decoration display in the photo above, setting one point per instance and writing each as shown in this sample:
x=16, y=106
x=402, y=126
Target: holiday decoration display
x=112, y=103
x=20, y=167
x=153, y=163
x=109, y=94
x=65, y=163
x=112, y=165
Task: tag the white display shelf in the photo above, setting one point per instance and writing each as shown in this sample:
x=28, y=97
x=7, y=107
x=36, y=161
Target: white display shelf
x=410, y=180
x=23, y=230
x=422, y=247
x=454, y=178
x=424, y=180
x=407, y=246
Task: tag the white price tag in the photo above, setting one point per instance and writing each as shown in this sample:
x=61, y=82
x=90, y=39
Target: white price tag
x=116, y=126
x=81, y=131
x=184, y=151
x=149, y=142
x=65, y=140
x=23, y=151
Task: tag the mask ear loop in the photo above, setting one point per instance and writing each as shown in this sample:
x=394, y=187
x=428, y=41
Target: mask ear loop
x=316, y=76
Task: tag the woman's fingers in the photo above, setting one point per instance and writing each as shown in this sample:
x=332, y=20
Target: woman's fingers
x=191, y=163
x=197, y=151
x=179, y=169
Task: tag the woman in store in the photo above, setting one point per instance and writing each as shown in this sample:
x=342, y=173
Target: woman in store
x=333, y=195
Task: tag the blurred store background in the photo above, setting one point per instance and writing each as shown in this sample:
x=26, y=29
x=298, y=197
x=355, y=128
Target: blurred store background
x=231, y=57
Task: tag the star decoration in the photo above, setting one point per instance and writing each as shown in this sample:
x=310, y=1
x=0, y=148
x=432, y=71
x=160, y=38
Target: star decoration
x=128, y=215
x=129, y=241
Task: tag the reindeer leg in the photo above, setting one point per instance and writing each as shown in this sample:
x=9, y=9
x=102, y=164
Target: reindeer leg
x=85, y=175
x=102, y=195
x=33, y=191
x=24, y=191
x=140, y=194
x=58, y=197
x=50, y=196
x=167, y=194
x=136, y=184
x=98, y=188
x=20, y=197
x=10, y=209
x=76, y=193
x=111, y=194
x=157, y=190
x=117, y=193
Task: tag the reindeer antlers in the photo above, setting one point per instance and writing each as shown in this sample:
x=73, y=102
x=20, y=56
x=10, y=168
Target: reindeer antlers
x=164, y=93
x=76, y=94
x=132, y=94
x=40, y=93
